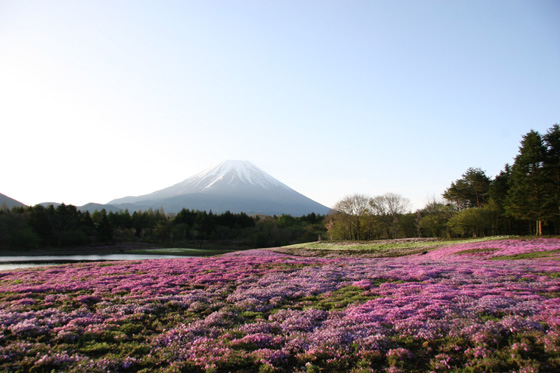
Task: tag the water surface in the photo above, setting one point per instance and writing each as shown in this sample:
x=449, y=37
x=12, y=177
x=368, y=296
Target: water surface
x=26, y=261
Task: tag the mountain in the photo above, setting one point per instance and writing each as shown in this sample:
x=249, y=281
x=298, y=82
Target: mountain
x=10, y=202
x=91, y=207
x=53, y=204
x=237, y=186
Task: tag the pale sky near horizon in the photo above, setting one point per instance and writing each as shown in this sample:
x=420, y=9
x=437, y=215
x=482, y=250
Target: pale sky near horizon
x=105, y=99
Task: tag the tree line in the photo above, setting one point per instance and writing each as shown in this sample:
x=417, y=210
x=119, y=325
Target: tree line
x=523, y=199
x=66, y=226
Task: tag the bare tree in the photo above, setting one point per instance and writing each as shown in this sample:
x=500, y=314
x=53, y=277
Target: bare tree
x=351, y=212
x=388, y=208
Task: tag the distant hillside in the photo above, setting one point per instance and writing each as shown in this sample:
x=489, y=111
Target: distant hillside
x=91, y=207
x=9, y=202
x=47, y=204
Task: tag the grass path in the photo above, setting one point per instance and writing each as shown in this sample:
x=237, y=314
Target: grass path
x=376, y=249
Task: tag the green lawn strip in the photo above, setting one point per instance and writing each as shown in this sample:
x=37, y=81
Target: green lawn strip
x=551, y=274
x=476, y=251
x=383, y=248
x=338, y=299
x=531, y=255
x=362, y=246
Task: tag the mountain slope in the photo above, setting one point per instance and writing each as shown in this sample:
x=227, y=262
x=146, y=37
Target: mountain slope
x=237, y=186
x=10, y=202
x=91, y=207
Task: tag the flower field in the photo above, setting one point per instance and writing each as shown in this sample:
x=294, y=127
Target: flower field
x=459, y=308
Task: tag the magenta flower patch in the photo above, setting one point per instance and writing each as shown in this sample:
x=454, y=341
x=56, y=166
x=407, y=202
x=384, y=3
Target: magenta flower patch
x=451, y=309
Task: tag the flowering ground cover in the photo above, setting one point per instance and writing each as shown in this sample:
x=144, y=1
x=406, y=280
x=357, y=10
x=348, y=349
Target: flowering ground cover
x=503, y=249
x=447, y=310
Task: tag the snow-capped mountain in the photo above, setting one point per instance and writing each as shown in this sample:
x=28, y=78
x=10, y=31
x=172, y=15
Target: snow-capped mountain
x=230, y=177
x=237, y=186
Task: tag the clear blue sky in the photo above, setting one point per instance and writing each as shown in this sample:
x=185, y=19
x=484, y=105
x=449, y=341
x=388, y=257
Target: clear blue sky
x=103, y=99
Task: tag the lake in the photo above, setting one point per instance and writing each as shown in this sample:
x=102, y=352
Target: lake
x=16, y=262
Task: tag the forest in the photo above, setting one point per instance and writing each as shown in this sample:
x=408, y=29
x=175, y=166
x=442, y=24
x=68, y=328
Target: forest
x=523, y=199
x=65, y=226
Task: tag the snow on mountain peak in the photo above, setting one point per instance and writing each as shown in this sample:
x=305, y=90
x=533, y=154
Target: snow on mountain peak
x=234, y=172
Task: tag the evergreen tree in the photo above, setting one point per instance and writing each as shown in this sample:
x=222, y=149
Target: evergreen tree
x=528, y=196
x=87, y=225
x=15, y=231
x=39, y=218
x=469, y=191
x=65, y=225
x=104, y=229
x=185, y=216
x=552, y=166
x=138, y=222
x=497, y=199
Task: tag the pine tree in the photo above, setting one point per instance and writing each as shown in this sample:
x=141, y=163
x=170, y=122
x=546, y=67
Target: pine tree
x=498, y=193
x=104, y=230
x=528, y=194
x=469, y=191
x=552, y=166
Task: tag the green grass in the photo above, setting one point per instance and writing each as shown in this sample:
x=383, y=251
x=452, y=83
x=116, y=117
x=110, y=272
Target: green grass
x=362, y=246
x=339, y=299
x=385, y=245
x=476, y=251
x=532, y=255
x=551, y=274
x=382, y=248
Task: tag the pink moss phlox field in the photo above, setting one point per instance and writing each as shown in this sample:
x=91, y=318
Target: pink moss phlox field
x=262, y=311
x=498, y=248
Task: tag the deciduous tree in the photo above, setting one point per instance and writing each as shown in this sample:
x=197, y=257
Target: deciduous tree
x=349, y=217
x=433, y=218
x=474, y=222
x=388, y=208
